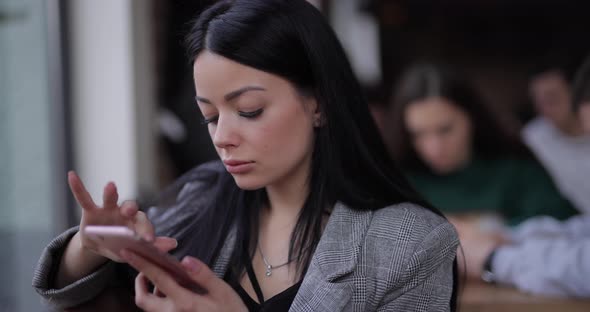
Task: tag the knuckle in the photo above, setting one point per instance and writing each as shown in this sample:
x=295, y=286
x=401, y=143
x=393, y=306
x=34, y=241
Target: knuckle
x=184, y=306
x=158, y=281
x=140, y=216
x=140, y=301
x=130, y=203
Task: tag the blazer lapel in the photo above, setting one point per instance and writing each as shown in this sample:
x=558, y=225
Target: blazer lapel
x=336, y=256
x=318, y=294
x=323, y=288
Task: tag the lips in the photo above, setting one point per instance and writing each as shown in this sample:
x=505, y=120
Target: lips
x=238, y=166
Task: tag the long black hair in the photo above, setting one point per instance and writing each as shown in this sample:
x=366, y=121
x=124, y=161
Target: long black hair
x=350, y=164
x=490, y=138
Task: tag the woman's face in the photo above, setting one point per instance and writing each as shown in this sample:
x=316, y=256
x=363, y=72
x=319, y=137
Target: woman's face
x=440, y=133
x=262, y=128
x=551, y=96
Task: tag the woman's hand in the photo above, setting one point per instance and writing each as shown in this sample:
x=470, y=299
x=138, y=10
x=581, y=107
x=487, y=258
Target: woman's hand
x=111, y=213
x=169, y=296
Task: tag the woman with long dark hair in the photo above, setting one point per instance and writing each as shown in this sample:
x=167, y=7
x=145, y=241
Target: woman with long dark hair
x=459, y=157
x=305, y=212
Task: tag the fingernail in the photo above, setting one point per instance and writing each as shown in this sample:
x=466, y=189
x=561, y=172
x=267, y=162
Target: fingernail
x=191, y=264
x=175, y=243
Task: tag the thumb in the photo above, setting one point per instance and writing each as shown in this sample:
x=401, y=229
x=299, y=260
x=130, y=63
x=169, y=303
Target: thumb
x=165, y=244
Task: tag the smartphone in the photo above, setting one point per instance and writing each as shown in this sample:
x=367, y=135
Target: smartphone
x=117, y=238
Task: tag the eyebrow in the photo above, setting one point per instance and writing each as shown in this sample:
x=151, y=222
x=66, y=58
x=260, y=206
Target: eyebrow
x=232, y=95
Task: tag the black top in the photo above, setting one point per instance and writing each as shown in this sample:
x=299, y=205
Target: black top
x=280, y=302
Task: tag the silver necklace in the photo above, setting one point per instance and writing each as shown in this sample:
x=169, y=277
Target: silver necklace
x=269, y=266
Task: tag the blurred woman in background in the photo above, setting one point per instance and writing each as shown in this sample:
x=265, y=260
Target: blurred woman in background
x=456, y=154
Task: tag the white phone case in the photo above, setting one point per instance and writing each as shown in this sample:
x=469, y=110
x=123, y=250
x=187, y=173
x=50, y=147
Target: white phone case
x=117, y=238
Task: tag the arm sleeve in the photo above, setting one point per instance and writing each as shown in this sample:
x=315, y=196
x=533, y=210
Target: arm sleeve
x=535, y=194
x=544, y=227
x=428, y=282
x=79, y=291
x=556, y=267
x=185, y=199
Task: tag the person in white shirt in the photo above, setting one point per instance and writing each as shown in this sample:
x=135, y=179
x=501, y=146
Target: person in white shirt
x=557, y=137
x=581, y=95
x=542, y=255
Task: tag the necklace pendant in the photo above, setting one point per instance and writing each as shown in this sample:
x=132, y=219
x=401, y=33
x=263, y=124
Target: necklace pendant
x=268, y=270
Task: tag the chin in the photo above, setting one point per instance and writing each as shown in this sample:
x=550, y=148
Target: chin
x=443, y=169
x=248, y=183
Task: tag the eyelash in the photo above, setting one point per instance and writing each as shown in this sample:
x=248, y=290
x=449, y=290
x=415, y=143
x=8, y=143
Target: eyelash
x=249, y=115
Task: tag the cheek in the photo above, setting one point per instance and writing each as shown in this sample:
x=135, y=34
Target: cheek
x=429, y=147
x=420, y=145
x=211, y=131
x=465, y=131
x=463, y=138
x=287, y=134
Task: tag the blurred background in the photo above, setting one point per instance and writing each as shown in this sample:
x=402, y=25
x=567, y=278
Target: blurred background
x=104, y=88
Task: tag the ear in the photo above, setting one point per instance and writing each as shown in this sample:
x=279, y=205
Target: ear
x=318, y=118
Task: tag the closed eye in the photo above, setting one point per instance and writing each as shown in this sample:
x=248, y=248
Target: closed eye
x=207, y=121
x=252, y=114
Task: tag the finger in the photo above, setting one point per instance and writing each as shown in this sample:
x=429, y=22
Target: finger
x=143, y=298
x=201, y=274
x=110, y=196
x=165, y=283
x=158, y=293
x=143, y=226
x=80, y=193
x=165, y=244
x=129, y=208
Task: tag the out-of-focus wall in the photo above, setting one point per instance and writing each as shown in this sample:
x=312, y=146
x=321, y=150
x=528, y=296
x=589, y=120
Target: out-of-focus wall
x=26, y=150
x=111, y=97
x=113, y=101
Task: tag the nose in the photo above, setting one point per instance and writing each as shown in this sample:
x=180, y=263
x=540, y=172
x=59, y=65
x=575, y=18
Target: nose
x=433, y=147
x=224, y=134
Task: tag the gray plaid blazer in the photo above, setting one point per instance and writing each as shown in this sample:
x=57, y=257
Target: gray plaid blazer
x=398, y=258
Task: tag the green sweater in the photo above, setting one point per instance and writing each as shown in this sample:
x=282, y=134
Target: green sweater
x=517, y=189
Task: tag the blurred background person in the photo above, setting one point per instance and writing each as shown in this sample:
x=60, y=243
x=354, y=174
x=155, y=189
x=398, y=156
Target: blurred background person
x=556, y=136
x=542, y=255
x=459, y=157
x=581, y=98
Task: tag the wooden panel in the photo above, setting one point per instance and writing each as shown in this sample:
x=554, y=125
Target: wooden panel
x=479, y=297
